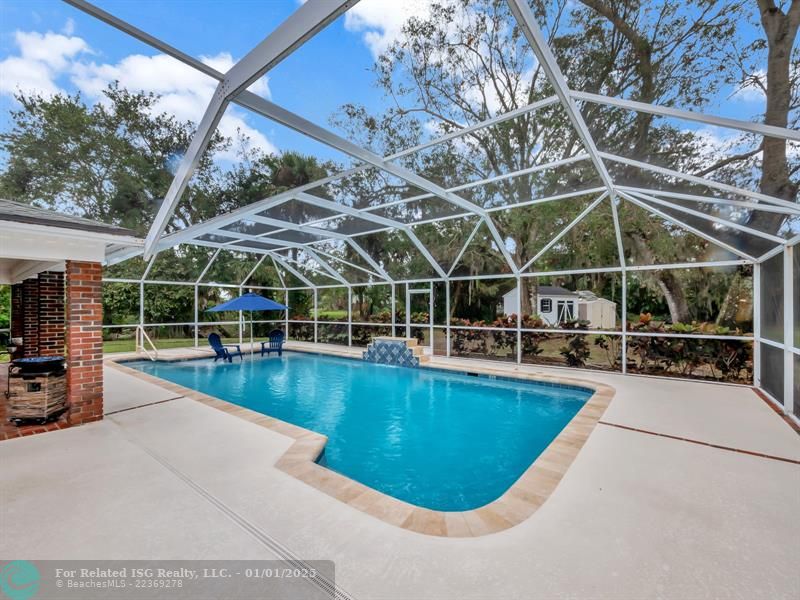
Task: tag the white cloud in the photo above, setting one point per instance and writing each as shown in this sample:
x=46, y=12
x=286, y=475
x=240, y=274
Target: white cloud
x=69, y=27
x=750, y=91
x=382, y=22
x=41, y=59
x=20, y=75
x=44, y=60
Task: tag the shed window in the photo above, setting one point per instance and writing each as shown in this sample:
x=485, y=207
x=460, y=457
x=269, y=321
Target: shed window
x=545, y=305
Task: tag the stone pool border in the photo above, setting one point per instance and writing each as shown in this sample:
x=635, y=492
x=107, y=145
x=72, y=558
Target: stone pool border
x=516, y=504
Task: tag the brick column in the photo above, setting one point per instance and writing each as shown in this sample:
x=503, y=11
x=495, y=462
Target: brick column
x=17, y=316
x=51, y=313
x=84, y=341
x=30, y=316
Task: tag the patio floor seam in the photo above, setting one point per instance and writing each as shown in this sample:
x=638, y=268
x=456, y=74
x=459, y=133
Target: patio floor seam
x=122, y=410
x=701, y=443
x=253, y=530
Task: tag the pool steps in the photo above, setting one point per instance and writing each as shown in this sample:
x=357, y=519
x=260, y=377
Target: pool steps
x=403, y=352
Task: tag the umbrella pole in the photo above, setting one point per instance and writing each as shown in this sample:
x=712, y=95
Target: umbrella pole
x=251, y=335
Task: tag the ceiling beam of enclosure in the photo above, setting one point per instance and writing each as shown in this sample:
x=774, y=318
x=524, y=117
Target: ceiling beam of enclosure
x=302, y=24
x=308, y=20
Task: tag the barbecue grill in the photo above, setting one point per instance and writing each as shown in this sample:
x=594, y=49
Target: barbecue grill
x=37, y=389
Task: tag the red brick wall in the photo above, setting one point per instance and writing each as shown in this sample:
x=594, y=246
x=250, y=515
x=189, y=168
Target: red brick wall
x=51, y=313
x=17, y=311
x=30, y=312
x=84, y=341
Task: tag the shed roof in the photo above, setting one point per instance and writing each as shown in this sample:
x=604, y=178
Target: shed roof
x=555, y=290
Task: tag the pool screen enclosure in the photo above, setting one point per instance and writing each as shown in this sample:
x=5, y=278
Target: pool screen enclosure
x=331, y=234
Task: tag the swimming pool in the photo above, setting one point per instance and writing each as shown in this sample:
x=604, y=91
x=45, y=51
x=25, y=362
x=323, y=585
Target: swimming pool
x=437, y=439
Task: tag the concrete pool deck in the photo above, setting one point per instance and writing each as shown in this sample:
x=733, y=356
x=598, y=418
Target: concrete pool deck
x=638, y=514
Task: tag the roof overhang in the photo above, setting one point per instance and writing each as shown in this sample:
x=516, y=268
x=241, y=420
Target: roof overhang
x=27, y=249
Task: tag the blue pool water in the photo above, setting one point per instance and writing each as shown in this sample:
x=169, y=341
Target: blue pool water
x=446, y=441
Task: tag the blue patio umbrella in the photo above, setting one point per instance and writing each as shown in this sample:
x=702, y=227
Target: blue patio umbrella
x=249, y=302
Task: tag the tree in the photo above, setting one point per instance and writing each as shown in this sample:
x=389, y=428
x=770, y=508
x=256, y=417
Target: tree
x=113, y=161
x=464, y=63
x=779, y=83
x=5, y=306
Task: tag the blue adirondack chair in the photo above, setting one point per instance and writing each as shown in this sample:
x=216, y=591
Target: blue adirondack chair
x=274, y=343
x=224, y=351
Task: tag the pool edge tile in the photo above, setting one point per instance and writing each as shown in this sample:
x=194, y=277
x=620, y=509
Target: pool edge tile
x=517, y=504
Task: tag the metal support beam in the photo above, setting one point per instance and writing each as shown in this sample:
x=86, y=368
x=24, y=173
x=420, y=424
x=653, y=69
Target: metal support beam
x=349, y=316
x=527, y=22
x=789, y=299
x=687, y=115
x=333, y=272
x=757, y=325
x=196, y=317
x=564, y=231
x=200, y=139
x=286, y=313
x=307, y=20
x=759, y=206
x=394, y=309
x=316, y=314
x=519, y=320
x=707, y=217
x=679, y=223
x=699, y=180
x=447, y=316
x=465, y=246
x=241, y=320
x=623, y=265
x=408, y=311
x=370, y=261
x=430, y=315
x=349, y=210
x=333, y=260
x=291, y=270
x=278, y=271
x=253, y=270
x=208, y=265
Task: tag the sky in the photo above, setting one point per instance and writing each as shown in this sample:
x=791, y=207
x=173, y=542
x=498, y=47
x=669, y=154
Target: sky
x=49, y=46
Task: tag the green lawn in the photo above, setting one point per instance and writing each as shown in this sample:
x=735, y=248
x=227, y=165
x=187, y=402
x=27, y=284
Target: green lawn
x=129, y=345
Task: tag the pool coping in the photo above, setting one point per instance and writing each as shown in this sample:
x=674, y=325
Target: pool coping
x=521, y=500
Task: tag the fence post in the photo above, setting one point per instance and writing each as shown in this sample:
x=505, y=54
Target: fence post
x=241, y=317
x=624, y=325
x=196, y=318
x=140, y=331
x=316, y=314
x=286, y=314
x=408, y=312
x=447, y=316
x=519, y=320
x=430, y=316
x=757, y=324
x=394, y=309
x=788, y=330
x=349, y=316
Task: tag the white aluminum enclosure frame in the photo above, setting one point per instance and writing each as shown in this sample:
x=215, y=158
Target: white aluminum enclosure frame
x=310, y=18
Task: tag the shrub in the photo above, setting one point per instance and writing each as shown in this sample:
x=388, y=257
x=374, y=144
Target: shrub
x=721, y=359
x=576, y=352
